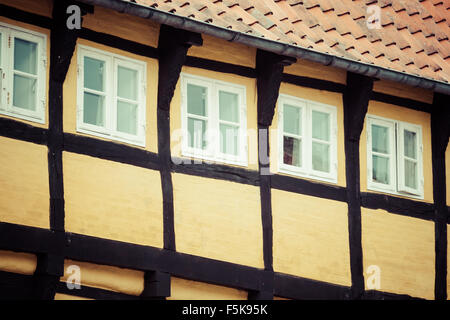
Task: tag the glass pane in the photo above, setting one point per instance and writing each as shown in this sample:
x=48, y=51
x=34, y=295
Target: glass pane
x=196, y=99
x=93, y=109
x=127, y=83
x=411, y=174
x=292, y=151
x=380, y=170
x=24, y=92
x=127, y=117
x=321, y=157
x=197, y=132
x=228, y=106
x=380, y=139
x=410, y=144
x=25, y=56
x=229, y=139
x=1, y=50
x=93, y=74
x=291, y=119
x=321, y=125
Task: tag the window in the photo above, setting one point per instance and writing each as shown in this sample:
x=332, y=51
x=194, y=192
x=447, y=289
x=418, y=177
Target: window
x=214, y=120
x=111, y=96
x=307, y=136
x=23, y=59
x=394, y=157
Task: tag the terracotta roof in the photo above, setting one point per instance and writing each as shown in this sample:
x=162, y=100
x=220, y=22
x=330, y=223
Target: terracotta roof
x=414, y=34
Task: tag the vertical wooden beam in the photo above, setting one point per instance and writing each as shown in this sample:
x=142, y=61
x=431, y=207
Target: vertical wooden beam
x=440, y=133
x=156, y=286
x=173, y=47
x=269, y=70
x=356, y=100
x=50, y=266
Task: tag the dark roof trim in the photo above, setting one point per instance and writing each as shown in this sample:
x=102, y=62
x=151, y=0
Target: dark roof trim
x=185, y=23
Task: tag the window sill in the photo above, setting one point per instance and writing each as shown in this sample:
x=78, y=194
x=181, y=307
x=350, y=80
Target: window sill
x=112, y=137
x=294, y=173
x=395, y=193
x=23, y=117
x=192, y=156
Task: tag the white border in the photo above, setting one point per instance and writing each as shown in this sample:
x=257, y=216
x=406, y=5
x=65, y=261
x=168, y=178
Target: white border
x=212, y=153
x=109, y=131
x=38, y=116
x=306, y=171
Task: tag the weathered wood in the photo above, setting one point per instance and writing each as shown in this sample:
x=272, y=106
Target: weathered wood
x=440, y=133
x=356, y=100
x=173, y=46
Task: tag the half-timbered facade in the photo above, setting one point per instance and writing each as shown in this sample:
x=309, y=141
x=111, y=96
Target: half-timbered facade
x=224, y=149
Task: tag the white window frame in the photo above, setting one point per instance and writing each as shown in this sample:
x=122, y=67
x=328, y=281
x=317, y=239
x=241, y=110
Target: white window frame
x=212, y=151
x=307, y=170
x=9, y=32
x=397, y=178
x=112, y=62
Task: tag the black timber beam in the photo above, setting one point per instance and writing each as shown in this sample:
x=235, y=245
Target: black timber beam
x=440, y=133
x=356, y=99
x=269, y=71
x=50, y=267
x=173, y=46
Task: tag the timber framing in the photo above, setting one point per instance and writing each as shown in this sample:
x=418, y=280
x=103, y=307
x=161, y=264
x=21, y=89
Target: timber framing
x=440, y=133
x=54, y=245
x=356, y=101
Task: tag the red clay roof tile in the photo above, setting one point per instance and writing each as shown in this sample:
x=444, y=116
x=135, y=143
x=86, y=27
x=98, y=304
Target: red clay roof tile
x=413, y=38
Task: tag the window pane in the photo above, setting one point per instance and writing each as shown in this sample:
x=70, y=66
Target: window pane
x=196, y=99
x=321, y=125
x=93, y=109
x=410, y=144
x=411, y=174
x=229, y=139
x=93, y=74
x=292, y=151
x=197, y=131
x=24, y=92
x=25, y=56
x=126, y=117
x=228, y=106
x=127, y=83
x=1, y=43
x=321, y=157
x=380, y=170
x=291, y=119
x=380, y=139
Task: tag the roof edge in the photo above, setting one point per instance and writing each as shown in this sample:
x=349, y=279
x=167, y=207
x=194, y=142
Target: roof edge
x=185, y=23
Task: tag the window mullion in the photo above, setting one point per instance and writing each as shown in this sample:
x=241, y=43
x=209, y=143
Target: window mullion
x=213, y=133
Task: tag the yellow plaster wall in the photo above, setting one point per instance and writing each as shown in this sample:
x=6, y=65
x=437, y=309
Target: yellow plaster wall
x=24, y=189
x=182, y=289
x=107, y=277
x=17, y=262
x=218, y=219
x=46, y=32
x=401, y=90
x=62, y=296
x=316, y=70
x=403, y=249
x=123, y=25
x=393, y=112
x=310, y=237
x=70, y=96
x=41, y=7
x=321, y=96
x=252, y=125
x=224, y=51
x=112, y=200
